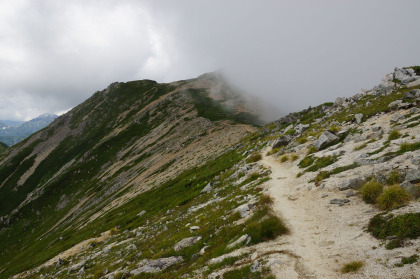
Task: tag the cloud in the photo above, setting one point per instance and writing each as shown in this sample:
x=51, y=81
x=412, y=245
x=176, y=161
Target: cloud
x=292, y=54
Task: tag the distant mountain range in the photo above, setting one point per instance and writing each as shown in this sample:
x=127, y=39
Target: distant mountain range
x=12, y=132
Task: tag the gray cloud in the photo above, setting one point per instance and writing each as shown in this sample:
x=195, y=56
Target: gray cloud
x=291, y=54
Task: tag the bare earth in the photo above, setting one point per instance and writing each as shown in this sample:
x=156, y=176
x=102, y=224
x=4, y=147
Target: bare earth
x=324, y=237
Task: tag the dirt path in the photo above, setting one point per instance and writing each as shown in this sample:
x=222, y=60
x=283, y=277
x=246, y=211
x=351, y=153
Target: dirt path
x=323, y=237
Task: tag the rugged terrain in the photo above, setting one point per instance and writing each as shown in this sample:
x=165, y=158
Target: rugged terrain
x=148, y=180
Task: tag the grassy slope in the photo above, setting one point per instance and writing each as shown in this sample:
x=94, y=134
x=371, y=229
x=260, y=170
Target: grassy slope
x=34, y=219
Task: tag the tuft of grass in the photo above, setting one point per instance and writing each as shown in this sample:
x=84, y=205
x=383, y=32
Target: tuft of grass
x=322, y=175
x=267, y=229
x=294, y=157
x=352, y=267
x=370, y=191
x=301, y=140
x=311, y=149
x=392, y=197
x=284, y=159
x=334, y=129
x=266, y=200
x=114, y=231
x=405, y=147
x=290, y=132
x=273, y=151
x=307, y=161
x=394, y=134
x=255, y=157
x=322, y=162
x=394, y=178
x=360, y=147
x=410, y=260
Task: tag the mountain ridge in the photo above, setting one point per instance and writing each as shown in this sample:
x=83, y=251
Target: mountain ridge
x=169, y=180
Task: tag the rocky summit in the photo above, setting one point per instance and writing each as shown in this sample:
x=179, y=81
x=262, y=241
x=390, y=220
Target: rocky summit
x=182, y=180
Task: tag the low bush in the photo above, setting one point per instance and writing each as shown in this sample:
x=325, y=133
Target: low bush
x=301, y=140
x=394, y=134
x=322, y=175
x=312, y=149
x=294, y=157
x=392, y=197
x=284, y=159
x=370, y=191
x=255, y=157
x=307, y=161
x=290, y=132
x=360, y=147
x=402, y=227
x=394, y=178
x=352, y=267
x=267, y=229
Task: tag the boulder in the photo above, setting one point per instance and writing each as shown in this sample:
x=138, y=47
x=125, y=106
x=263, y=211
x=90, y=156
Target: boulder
x=413, y=190
x=412, y=175
x=408, y=95
x=155, y=266
x=414, y=110
x=301, y=128
x=186, y=242
x=415, y=92
x=243, y=209
x=394, y=103
x=281, y=141
x=238, y=241
x=325, y=139
x=358, y=118
x=207, y=189
x=352, y=183
x=339, y=201
x=339, y=101
x=396, y=117
x=413, y=83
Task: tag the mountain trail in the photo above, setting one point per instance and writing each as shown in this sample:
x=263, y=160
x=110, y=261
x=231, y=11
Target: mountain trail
x=322, y=237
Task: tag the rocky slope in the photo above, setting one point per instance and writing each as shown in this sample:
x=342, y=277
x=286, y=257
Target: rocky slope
x=12, y=132
x=121, y=142
x=328, y=192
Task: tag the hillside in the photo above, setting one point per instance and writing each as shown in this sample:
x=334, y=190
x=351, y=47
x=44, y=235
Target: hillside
x=12, y=132
x=148, y=180
x=3, y=147
x=123, y=141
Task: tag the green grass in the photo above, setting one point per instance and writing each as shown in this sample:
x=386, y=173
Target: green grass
x=322, y=162
x=392, y=197
x=360, y=147
x=370, y=191
x=394, y=134
x=352, y=267
x=406, y=226
x=408, y=260
x=255, y=157
x=284, y=158
x=307, y=161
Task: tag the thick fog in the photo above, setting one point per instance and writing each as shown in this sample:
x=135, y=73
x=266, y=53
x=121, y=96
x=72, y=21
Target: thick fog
x=291, y=54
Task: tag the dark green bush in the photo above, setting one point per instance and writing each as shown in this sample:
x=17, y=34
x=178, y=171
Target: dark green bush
x=403, y=226
x=267, y=229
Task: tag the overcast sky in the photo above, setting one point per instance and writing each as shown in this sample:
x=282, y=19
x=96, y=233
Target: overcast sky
x=292, y=54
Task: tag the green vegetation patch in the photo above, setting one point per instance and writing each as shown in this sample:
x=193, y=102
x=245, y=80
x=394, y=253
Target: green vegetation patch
x=352, y=267
x=406, y=226
x=392, y=197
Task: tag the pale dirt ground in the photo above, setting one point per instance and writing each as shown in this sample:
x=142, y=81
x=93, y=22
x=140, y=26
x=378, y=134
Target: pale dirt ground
x=324, y=237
